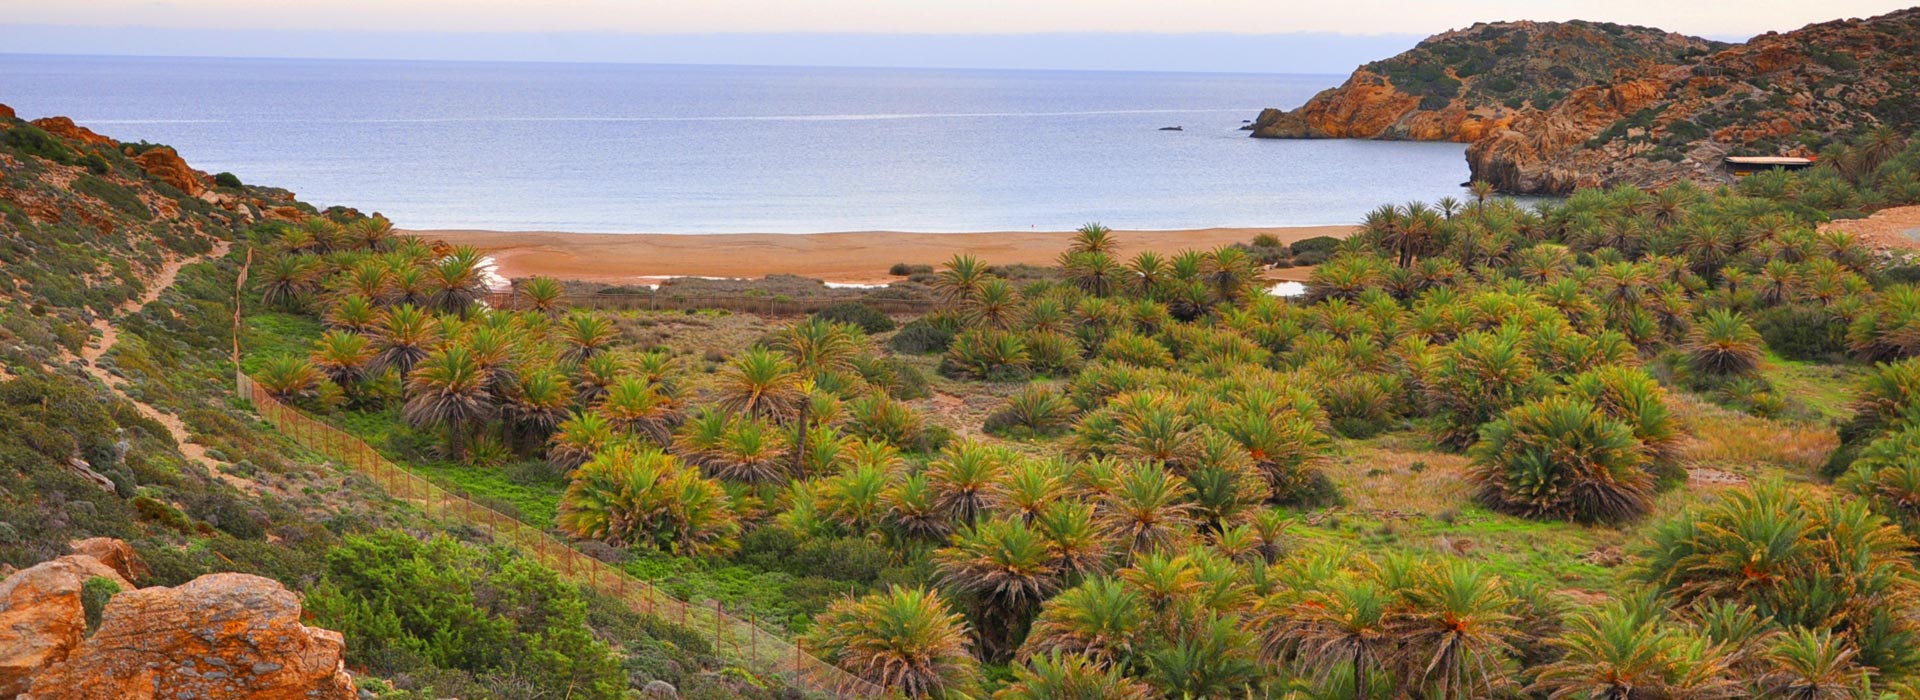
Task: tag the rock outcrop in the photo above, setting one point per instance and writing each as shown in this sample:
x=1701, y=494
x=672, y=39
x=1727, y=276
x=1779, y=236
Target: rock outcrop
x=217, y=636
x=66, y=129
x=166, y=166
x=115, y=554
x=1465, y=84
x=42, y=619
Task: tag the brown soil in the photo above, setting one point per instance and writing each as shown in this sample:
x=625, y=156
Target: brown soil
x=1895, y=229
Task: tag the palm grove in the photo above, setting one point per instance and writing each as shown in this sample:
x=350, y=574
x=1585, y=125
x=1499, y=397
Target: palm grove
x=1126, y=525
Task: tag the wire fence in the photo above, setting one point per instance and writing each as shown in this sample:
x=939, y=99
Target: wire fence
x=742, y=641
x=760, y=304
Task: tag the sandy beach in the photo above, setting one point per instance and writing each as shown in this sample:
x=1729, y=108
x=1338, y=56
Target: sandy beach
x=853, y=257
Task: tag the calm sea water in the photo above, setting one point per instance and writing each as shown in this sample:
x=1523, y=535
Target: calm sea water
x=685, y=149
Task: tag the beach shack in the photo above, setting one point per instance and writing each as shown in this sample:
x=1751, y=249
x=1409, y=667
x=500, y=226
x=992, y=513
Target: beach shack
x=1742, y=166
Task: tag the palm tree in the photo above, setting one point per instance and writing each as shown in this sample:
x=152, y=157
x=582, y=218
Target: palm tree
x=1346, y=624
x=1149, y=273
x=542, y=294
x=750, y=452
x=907, y=640
x=1560, y=457
x=648, y=498
x=960, y=279
x=633, y=405
x=1622, y=652
x=403, y=338
x=449, y=390
x=578, y=439
x=1005, y=566
x=995, y=305
x=1229, y=274
x=1102, y=619
x=1812, y=665
x=1456, y=628
x=345, y=357
x=963, y=480
x=913, y=511
x=353, y=313
x=1209, y=656
x=1074, y=538
x=288, y=279
x=372, y=233
x=288, y=377
x=455, y=282
x=1094, y=273
x=818, y=346
x=1148, y=510
x=1092, y=238
x=534, y=406
x=1071, y=677
x=762, y=384
x=1482, y=191
x=1724, y=345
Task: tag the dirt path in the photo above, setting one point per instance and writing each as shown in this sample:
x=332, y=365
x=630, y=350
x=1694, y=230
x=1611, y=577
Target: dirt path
x=110, y=336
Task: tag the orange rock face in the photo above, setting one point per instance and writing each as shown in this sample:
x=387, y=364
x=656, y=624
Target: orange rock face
x=66, y=129
x=41, y=617
x=114, y=553
x=166, y=166
x=7, y=112
x=218, y=636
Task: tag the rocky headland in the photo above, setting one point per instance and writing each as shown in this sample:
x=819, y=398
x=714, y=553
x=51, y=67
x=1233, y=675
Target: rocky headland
x=1549, y=107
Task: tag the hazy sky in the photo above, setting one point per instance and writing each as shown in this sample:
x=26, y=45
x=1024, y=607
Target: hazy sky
x=1290, y=35
x=928, y=16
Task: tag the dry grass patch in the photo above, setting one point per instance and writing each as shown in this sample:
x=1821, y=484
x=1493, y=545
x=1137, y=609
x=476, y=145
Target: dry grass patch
x=1728, y=441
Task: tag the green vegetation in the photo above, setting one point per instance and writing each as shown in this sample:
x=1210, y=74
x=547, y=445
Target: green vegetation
x=1415, y=482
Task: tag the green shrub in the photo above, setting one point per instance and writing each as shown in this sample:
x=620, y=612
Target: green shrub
x=1802, y=331
x=94, y=594
x=404, y=604
x=927, y=335
x=114, y=196
x=901, y=269
x=226, y=179
x=855, y=313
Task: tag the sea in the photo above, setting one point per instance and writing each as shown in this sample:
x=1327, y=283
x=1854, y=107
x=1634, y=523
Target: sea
x=725, y=149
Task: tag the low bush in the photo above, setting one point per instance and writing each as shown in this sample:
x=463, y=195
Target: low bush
x=855, y=313
x=1802, y=331
x=927, y=335
x=1034, y=412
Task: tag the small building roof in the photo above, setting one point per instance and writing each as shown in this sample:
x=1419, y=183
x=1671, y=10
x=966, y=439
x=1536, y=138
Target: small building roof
x=1768, y=160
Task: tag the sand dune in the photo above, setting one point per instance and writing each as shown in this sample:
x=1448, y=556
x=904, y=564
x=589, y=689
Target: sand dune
x=862, y=256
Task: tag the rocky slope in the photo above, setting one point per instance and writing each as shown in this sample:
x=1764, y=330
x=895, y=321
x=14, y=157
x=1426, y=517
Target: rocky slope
x=1560, y=106
x=1779, y=94
x=1464, y=84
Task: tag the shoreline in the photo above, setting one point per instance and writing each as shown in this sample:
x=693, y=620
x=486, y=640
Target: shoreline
x=853, y=257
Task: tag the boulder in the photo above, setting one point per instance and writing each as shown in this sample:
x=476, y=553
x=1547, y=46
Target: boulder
x=165, y=165
x=42, y=619
x=66, y=129
x=217, y=636
x=114, y=553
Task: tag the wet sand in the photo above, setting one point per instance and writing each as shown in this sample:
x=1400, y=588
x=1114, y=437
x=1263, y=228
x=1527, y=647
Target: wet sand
x=854, y=257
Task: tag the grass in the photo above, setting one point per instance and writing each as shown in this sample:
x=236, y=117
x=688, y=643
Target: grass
x=1824, y=389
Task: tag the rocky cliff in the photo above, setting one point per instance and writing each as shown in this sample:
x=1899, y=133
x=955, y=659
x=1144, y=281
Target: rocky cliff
x=1464, y=84
x=1779, y=94
x=1550, y=107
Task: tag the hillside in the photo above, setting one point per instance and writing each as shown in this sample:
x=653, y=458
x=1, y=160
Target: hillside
x=152, y=527
x=1658, y=109
x=1464, y=84
x=1779, y=94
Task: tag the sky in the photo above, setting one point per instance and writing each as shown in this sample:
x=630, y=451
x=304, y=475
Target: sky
x=1234, y=35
